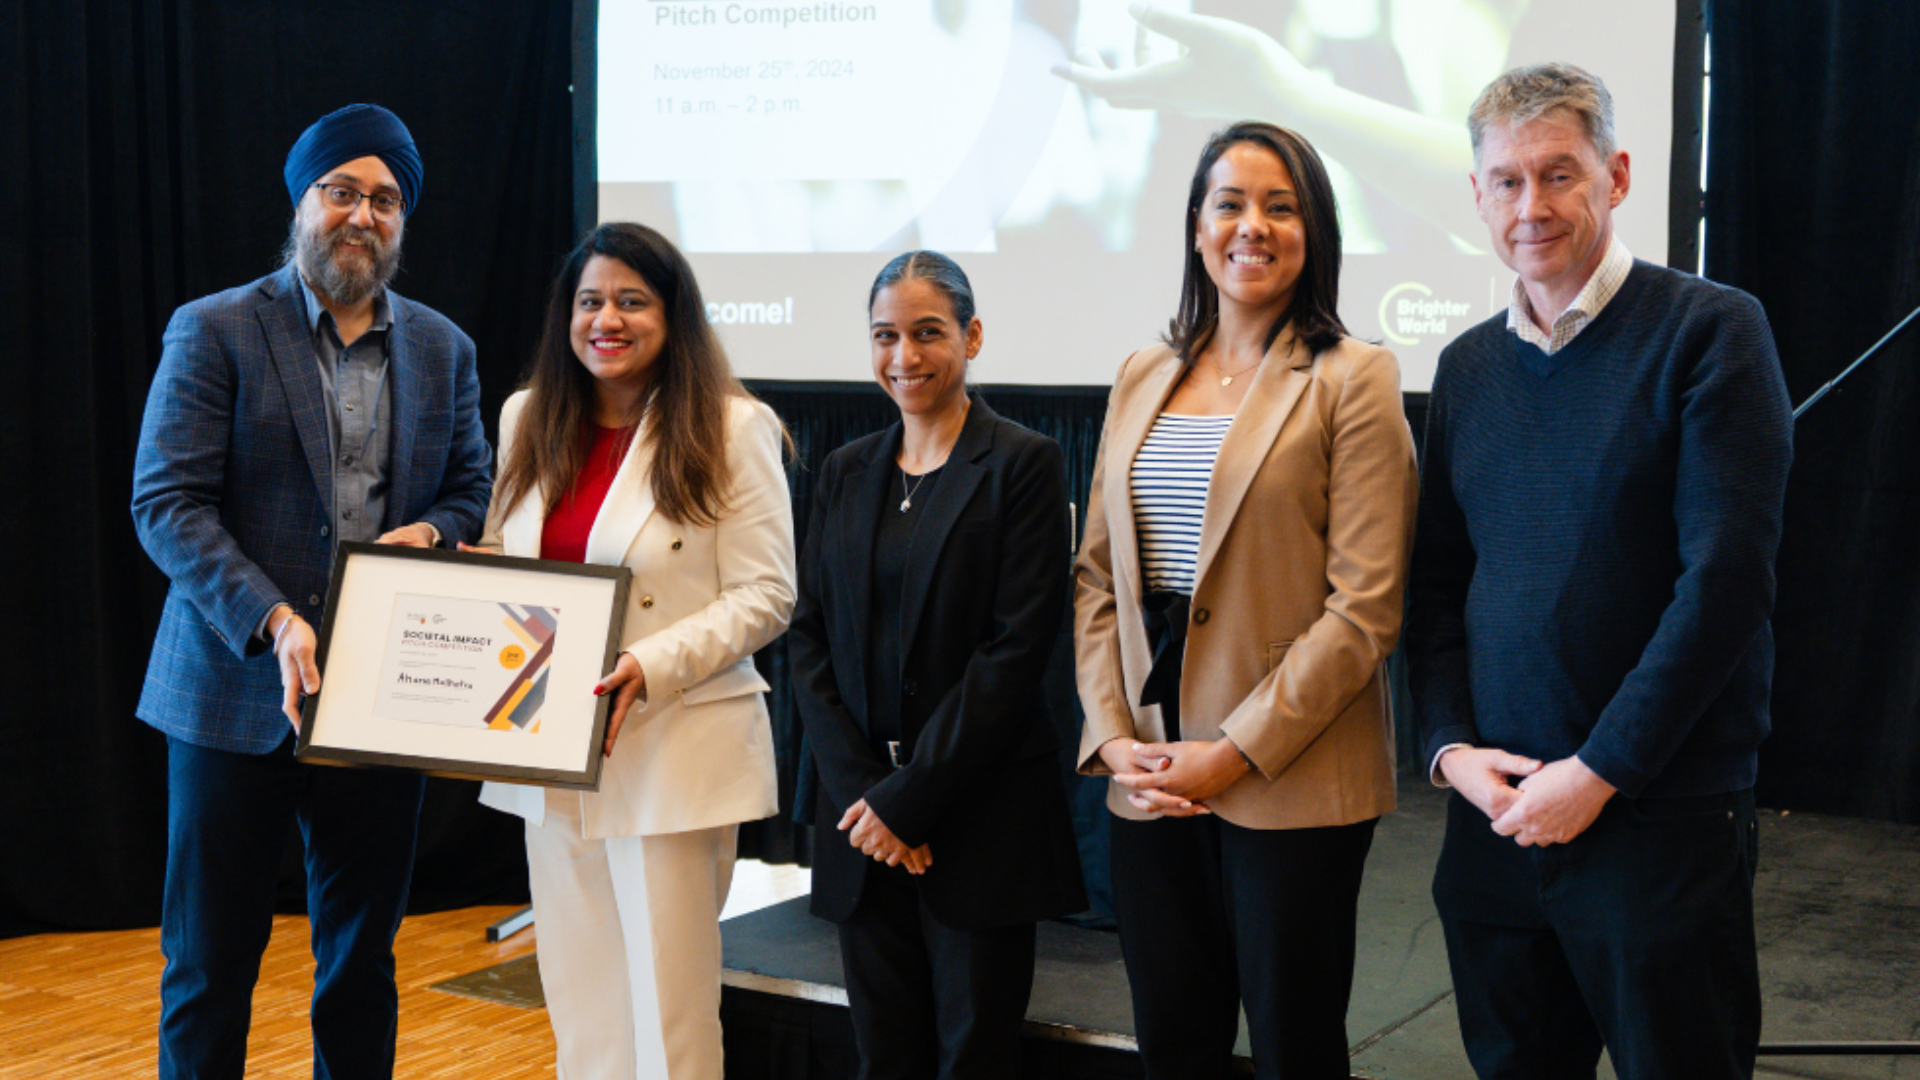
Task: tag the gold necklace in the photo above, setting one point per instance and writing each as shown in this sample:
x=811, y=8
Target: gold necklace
x=1227, y=377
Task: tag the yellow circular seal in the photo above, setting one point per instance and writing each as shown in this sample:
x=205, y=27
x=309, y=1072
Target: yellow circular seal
x=512, y=657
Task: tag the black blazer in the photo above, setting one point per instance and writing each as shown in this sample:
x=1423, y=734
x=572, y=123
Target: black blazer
x=980, y=610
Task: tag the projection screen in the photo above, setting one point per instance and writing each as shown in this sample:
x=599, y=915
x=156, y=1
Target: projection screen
x=791, y=147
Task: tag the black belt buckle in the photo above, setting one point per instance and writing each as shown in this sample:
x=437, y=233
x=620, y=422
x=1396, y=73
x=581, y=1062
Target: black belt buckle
x=893, y=754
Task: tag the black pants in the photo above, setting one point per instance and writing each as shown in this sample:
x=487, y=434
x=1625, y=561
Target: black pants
x=1638, y=935
x=1212, y=915
x=228, y=816
x=928, y=1000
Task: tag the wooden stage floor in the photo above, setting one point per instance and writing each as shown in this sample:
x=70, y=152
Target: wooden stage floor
x=1837, y=908
x=86, y=1006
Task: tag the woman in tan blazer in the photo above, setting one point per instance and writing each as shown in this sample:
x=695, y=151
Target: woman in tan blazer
x=633, y=445
x=1237, y=593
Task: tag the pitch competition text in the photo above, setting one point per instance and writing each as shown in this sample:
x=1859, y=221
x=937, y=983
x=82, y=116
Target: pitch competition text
x=780, y=15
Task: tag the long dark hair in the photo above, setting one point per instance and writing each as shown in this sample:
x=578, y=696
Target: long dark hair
x=1315, y=309
x=686, y=400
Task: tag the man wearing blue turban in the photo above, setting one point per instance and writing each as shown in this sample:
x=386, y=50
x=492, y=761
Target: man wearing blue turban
x=311, y=406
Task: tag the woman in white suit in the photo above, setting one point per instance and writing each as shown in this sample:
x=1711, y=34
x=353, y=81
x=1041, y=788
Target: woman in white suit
x=632, y=444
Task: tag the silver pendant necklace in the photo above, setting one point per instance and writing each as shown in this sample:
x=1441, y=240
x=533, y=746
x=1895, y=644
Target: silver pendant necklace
x=907, y=503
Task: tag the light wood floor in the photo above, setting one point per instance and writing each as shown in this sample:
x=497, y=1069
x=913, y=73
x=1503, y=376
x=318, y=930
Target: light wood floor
x=86, y=1006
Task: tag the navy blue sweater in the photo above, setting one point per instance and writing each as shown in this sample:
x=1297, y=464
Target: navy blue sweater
x=1593, y=570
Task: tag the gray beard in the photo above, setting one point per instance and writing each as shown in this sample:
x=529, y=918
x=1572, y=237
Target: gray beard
x=315, y=254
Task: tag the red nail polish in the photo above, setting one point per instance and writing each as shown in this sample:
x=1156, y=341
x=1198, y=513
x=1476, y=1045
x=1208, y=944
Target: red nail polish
x=599, y=690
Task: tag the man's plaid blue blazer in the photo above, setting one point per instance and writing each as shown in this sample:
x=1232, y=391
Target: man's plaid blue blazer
x=232, y=490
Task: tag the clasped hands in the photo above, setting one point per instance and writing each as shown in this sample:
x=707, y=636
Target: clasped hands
x=1177, y=778
x=867, y=832
x=294, y=641
x=1536, y=803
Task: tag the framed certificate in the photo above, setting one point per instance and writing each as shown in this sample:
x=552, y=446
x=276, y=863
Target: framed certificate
x=471, y=666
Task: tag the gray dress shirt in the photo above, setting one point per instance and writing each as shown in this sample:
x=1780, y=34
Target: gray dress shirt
x=359, y=411
x=359, y=427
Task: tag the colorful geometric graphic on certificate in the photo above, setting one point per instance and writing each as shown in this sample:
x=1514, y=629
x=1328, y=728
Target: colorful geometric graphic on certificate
x=519, y=705
x=467, y=663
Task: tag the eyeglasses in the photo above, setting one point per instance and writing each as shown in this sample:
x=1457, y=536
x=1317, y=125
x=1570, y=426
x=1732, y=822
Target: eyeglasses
x=386, y=205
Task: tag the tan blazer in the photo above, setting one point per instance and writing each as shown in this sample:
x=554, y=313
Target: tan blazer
x=1297, y=596
x=698, y=752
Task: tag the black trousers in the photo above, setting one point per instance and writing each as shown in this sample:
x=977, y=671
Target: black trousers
x=1637, y=935
x=929, y=1000
x=228, y=816
x=1212, y=915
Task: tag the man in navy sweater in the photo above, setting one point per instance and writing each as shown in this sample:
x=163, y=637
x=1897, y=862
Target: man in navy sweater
x=1605, y=466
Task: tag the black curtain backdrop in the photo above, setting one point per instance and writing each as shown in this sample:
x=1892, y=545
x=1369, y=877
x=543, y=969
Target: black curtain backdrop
x=1813, y=205
x=145, y=142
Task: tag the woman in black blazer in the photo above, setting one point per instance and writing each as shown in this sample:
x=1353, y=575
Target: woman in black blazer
x=932, y=585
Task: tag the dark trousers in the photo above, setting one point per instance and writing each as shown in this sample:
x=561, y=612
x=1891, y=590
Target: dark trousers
x=1637, y=935
x=228, y=816
x=928, y=1000
x=1212, y=915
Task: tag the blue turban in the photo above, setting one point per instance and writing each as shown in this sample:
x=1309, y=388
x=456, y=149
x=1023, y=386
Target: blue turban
x=349, y=134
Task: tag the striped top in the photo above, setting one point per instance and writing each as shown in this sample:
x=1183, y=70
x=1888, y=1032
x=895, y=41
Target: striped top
x=1169, y=488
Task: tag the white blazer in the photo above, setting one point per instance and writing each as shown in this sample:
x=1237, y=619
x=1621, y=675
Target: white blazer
x=698, y=751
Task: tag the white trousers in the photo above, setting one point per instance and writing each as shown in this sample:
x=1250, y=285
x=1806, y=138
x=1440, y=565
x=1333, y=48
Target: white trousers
x=629, y=947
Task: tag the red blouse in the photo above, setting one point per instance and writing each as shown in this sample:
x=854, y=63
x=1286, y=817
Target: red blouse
x=564, y=535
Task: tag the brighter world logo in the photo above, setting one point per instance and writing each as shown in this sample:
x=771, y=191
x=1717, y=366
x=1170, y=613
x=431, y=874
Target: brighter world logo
x=1404, y=318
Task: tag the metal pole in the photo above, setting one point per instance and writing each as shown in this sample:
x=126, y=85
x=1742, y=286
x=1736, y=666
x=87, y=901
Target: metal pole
x=1839, y=1049
x=1835, y=381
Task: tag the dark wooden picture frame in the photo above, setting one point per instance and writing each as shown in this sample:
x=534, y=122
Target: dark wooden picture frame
x=504, y=577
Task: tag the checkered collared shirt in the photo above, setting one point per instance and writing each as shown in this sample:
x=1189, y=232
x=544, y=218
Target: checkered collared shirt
x=1586, y=306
